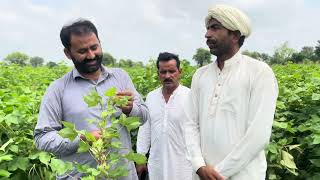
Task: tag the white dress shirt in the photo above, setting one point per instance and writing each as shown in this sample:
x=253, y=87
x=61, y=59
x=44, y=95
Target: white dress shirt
x=164, y=135
x=230, y=114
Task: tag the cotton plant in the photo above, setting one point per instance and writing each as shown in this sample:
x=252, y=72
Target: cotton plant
x=105, y=150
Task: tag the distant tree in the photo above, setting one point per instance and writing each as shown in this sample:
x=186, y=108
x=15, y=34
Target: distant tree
x=306, y=54
x=17, y=58
x=138, y=64
x=51, y=64
x=256, y=55
x=202, y=56
x=282, y=54
x=122, y=63
x=317, y=51
x=108, y=59
x=36, y=61
x=185, y=62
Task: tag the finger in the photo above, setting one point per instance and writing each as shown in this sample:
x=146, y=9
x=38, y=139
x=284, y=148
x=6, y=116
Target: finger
x=125, y=93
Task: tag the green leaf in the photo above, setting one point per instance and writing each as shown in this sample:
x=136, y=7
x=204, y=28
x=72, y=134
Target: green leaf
x=88, y=178
x=7, y=157
x=287, y=160
x=83, y=147
x=92, y=99
x=68, y=124
x=272, y=148
x=136, y=157
x=6, y=144
x=4, y=173
x=315, y=96
x=14, y=148
x=68, y=133
x=315, y=162
x=19, y=163
x=82, y=168
x=130, y=122
x=282, y=125
x=60, y=167
x=44, y=157
x=11, y=119
x=294, y=146
x=89, y=136
x=116, y=144
x=93, y=171
x=316, y=139
x=111, y=92
x=119, y=171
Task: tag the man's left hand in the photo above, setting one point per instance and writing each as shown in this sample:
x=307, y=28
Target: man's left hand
x=128, y=107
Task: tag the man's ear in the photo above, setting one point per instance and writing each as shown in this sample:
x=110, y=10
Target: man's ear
x=236, y=35
x=67, y=53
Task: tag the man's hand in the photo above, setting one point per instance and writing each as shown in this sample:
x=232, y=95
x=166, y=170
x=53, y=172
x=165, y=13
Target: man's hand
x=128, y=107
x=96, y=134
x=140, y=169
x=208, y=173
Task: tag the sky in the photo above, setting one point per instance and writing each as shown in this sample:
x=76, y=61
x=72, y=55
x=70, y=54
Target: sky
x=141, y=29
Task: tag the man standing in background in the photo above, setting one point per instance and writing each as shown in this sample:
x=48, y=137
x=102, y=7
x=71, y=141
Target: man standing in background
x=163, y=135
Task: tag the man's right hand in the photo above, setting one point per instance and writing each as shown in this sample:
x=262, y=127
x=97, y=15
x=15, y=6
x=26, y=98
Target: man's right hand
x=208, y=173
x=140, y=169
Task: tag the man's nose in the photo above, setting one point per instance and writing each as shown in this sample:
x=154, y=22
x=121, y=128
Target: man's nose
x=168, y=74
x=91, y=54
x=208, y=34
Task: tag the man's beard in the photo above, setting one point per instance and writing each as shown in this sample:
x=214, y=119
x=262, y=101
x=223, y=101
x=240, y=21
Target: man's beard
x=86, y=68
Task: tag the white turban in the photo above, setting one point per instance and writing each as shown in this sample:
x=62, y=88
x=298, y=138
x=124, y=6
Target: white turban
x=230, y=18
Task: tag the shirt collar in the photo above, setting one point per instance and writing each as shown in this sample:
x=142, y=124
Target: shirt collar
x=229, y=62
x=173, y=93
x=105, y=72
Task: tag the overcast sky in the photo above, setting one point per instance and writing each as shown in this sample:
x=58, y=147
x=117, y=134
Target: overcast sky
x=140, y=29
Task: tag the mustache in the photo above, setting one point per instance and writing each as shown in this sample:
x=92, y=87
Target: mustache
x=211, y=41
x=96, y=58
x=167, y=80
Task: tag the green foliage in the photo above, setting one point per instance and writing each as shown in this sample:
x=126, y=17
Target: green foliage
x=317, y=50
x=36, y=61
x=295, y=142
x=293, y=152
x=282, y=54
x=105, y=150
x=17, y=58
x=108, y=59
x=202, y=56
x=259, y=56
x=21, y=89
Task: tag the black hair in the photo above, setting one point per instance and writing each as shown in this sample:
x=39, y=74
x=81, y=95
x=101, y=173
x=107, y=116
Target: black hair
x=165, y=56
x=79, y=27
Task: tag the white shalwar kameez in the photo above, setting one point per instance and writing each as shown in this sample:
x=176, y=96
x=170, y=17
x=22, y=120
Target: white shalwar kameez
x=164, y=135
x=230, y=117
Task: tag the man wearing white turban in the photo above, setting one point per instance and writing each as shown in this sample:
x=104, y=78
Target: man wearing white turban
x=232, y=104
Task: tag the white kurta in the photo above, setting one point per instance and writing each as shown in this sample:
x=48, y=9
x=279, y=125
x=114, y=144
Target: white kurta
x=164, y=135
x=230, y=115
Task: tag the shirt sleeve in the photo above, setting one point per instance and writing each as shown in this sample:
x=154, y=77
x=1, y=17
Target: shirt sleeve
x=48, y=125
x=192, y=129
x=139, y=108
x=144, y=136
x=262, y=106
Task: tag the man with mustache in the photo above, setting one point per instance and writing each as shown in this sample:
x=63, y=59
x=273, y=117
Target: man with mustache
x=63, y=100
x=231, y=105
x=163, y=135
